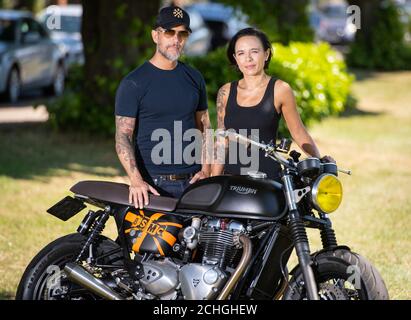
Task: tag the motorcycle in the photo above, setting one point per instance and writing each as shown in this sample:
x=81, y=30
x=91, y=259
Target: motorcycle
x=226, y=237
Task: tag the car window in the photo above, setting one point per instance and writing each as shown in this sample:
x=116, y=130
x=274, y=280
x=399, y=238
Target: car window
x=7, y=30
x=29, y=25
x=69, y=24
x=335, y=11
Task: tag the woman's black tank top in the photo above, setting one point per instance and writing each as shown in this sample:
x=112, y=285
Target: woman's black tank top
x=265, y=119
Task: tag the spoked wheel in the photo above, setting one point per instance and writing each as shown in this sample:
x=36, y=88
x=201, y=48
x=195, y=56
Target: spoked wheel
x=340, y=275
x=44, y=278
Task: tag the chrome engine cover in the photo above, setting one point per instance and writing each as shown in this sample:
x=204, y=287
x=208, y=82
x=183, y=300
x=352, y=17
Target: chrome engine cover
x=201, y=282
x=160, y=277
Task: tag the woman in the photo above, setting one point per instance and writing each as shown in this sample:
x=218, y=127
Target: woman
x=257, y=101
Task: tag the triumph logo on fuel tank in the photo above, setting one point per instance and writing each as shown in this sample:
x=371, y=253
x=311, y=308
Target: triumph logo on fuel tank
x=243, y=190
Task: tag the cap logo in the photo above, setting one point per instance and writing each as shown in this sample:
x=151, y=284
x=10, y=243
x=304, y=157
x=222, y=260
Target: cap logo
x=178, y=13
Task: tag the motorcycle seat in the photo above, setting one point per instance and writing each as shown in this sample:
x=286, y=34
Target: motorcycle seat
x=113, y=192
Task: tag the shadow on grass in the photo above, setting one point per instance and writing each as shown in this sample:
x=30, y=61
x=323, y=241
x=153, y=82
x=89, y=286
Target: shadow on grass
x=6, y=295
x=363, y=74
x=30, y=150
x=355, y=112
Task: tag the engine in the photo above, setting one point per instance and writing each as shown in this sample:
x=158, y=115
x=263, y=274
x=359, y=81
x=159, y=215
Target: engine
x=218, y=252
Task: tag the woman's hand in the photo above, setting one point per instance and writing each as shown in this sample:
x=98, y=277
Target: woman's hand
x=328, y=159
x=199, y=176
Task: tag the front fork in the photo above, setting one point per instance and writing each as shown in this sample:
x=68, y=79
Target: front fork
x=300, y=238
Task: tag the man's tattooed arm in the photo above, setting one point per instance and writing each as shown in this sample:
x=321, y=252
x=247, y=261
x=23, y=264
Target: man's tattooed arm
x=124, y=146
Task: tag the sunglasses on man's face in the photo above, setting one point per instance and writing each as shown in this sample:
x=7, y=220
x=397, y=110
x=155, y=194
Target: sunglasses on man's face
x=170, y=33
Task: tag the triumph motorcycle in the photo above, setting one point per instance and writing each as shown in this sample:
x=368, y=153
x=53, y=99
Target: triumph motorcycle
x=226, y=237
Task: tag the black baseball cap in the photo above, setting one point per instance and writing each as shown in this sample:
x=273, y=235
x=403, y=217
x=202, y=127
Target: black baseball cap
x=172, y=16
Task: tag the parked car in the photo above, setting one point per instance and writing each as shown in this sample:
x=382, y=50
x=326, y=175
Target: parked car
x=64, y=25
x=199, y=42
x=224, y=21
x=331, y=23
x=28, y=57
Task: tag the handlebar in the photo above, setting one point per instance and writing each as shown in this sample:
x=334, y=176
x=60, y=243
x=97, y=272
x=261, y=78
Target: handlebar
x=270, y=150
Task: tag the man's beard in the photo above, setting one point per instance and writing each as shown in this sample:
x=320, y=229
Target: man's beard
x=168, y=55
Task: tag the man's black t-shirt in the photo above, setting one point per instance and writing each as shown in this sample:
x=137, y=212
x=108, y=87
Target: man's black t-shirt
x=165, y=100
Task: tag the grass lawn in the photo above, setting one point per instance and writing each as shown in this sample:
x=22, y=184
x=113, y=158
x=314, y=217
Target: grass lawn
x=38, y=166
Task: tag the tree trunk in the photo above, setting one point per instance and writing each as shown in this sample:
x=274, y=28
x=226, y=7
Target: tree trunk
x=116, y=35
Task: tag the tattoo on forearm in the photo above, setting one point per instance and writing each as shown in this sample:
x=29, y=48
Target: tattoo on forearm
x=206, y=154
x=221, y=142
x=124, y=143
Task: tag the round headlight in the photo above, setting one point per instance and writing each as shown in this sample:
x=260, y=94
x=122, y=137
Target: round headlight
x=327, y=193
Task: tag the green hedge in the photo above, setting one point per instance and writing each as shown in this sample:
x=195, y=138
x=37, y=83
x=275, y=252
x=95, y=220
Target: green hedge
x=315, y=72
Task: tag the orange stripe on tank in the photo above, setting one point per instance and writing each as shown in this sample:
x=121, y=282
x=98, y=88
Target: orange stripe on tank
x=154, y=217
x=168, y=237
x=130, y=217
x=171, y=224
x=158, y=246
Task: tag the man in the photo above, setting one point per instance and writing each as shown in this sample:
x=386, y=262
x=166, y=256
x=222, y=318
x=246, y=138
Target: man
x=154, y=96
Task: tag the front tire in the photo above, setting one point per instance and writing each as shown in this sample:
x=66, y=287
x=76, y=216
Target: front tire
x=40, y=275
x=340, y=275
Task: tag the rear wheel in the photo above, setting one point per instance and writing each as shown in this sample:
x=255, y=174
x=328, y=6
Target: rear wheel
x=44, y=278
x=340, y=275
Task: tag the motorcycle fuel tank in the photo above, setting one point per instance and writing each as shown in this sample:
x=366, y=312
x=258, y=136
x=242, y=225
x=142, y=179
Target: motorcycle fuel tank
x=150, y=231
x=236, y=197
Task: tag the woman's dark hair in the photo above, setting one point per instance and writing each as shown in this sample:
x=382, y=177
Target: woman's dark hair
x=248, y=32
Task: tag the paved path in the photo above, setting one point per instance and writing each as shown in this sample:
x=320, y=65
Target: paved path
x=21, y=114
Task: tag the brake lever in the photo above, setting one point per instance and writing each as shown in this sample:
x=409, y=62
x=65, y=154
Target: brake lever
x=345, y=171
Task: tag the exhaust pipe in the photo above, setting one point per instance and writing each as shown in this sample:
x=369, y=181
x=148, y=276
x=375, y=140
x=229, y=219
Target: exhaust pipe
x=80, y=276
x=242, y=265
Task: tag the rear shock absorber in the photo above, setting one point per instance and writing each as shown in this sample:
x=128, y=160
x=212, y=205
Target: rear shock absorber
x=96, y=231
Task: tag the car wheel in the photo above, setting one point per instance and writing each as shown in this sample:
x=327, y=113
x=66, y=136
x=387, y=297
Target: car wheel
x=13, y=86
x=57, y=87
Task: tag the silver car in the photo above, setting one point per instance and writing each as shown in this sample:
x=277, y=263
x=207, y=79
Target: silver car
x=64, y=25
x=332, y=24
x=28, y=57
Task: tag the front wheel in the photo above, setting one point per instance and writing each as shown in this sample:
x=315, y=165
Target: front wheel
x=44, y=279
x=56, y=88
x=340, y=275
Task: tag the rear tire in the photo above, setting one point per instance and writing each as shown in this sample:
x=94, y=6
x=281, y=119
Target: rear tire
x=340, y=275
x=35, y=282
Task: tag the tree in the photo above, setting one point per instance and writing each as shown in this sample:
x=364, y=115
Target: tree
x=379, y=44
x=30, y=5
x=116, y=35
x=283, y=21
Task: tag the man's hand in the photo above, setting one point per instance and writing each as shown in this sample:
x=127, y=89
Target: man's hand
x=199, y=176
x=139, y=193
